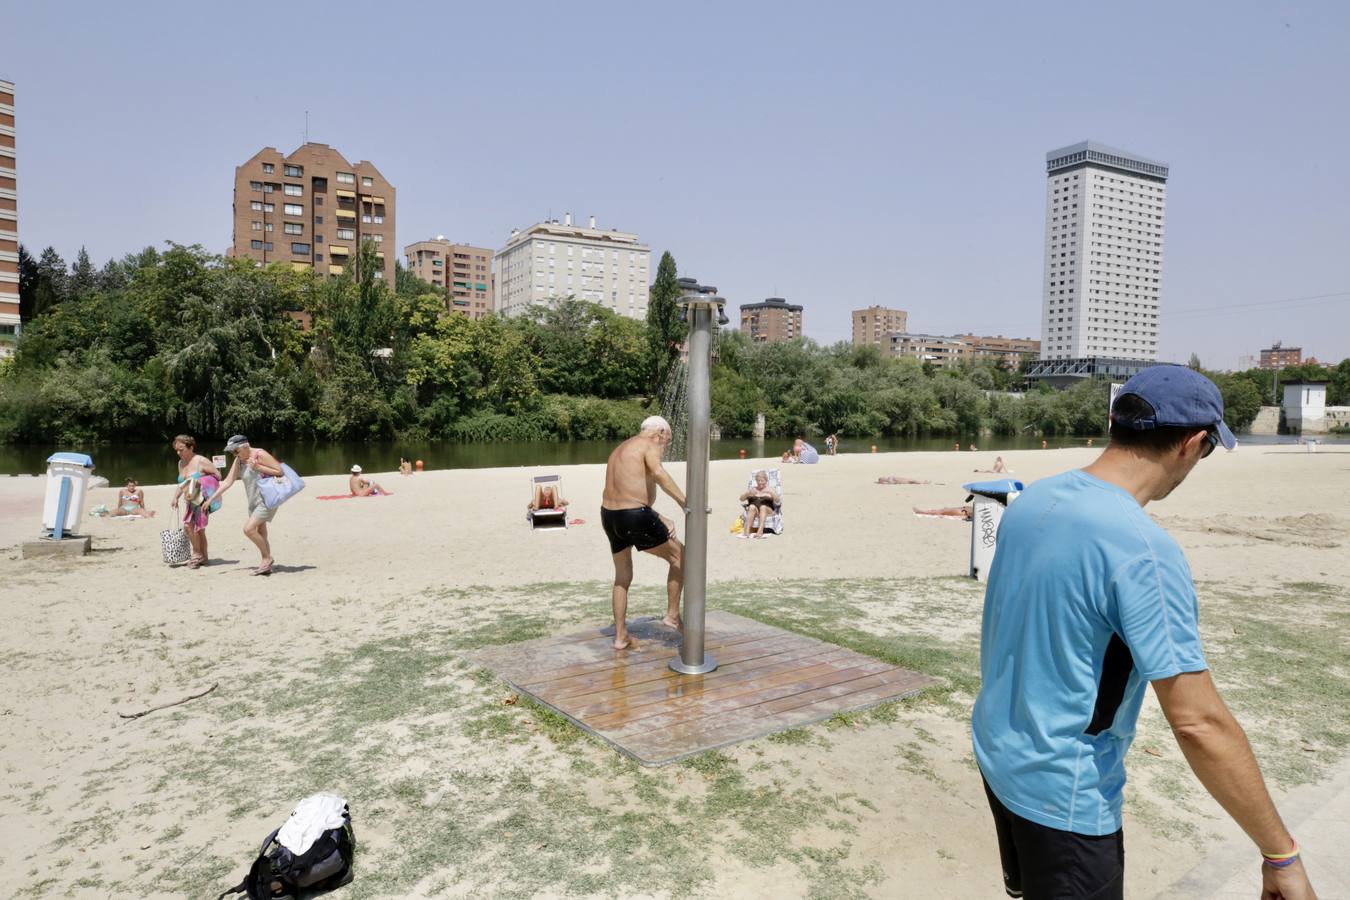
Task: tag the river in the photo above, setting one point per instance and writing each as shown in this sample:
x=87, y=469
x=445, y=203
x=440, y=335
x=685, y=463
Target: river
x=154, y=463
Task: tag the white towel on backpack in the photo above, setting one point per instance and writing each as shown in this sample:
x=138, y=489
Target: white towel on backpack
x=312, y=817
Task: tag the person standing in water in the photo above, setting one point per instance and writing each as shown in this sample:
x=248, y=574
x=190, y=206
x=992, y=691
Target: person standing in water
x=249, y=465
x=633, y=473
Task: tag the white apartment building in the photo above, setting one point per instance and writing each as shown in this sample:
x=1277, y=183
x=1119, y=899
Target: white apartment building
x=1104, y=231
x=558, y=259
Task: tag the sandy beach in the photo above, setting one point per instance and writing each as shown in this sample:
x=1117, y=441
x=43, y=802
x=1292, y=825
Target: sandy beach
x=449, y=558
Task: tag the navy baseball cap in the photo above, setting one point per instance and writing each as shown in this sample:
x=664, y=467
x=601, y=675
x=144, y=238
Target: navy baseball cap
x=1181, y=398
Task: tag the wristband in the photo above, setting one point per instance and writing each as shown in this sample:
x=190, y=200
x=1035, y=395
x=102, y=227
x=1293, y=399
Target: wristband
x=1281, y=860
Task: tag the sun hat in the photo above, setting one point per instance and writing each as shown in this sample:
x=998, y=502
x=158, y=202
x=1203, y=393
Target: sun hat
x=356, y=470
x=1181, y=398
x=235, y=442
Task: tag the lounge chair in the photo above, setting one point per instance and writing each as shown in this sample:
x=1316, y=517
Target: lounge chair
x=775, y=521
x=550, y=518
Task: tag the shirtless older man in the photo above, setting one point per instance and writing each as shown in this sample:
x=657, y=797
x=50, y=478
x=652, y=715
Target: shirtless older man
x=631, y=477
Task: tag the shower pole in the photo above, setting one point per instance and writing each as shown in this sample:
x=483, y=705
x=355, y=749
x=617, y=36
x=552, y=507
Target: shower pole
x=699, y=304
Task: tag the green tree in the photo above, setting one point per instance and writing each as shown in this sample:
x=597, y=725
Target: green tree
x=83, y=275
x=1242, y=401
x=28, y=282
x=665, y=331
x=1194, y=363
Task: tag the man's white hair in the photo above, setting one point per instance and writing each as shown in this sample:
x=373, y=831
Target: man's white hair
x=656, y=423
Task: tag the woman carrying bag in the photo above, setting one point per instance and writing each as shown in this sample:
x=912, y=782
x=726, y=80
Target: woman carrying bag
x=251, y=466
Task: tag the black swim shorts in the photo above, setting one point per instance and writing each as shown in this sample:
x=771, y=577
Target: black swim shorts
x=1041, y=863
x=640, y=527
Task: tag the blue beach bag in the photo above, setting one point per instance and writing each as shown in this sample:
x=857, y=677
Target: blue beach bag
x=276, y=490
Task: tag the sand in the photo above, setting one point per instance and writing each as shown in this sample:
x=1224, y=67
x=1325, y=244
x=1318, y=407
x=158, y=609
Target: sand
x=351, y=570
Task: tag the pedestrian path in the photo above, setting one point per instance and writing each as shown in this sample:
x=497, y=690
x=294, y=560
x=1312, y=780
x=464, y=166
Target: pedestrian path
x=1318, y=815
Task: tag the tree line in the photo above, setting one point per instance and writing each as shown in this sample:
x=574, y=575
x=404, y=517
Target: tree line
x=160, y=342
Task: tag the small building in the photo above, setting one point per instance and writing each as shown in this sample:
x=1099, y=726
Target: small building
x=771, y=320
x=1063, y=373
x=1005, y=352
x=872, y=325
x=461, y=271
x=940, y=350
x=1304, y=409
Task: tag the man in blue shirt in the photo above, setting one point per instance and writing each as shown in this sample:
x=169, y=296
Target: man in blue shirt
x=1089, y=601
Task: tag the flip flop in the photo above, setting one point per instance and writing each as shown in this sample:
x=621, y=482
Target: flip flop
x=263, y=570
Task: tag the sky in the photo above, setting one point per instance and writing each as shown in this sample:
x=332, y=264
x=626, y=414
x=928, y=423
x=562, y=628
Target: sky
x=838, y=155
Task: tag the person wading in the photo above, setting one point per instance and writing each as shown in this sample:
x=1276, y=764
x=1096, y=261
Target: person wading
x=632, y=475
x=1089, y=601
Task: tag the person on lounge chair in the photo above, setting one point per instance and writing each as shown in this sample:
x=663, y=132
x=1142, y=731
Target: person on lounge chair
x=546, y=497
x=759, y=501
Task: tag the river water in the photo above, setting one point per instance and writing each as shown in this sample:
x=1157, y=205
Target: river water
x=155, y=463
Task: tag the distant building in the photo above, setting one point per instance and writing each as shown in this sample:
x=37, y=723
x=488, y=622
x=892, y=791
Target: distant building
x=771, y=320
x=1006, y=352
x=871, y=325
x=940, y=350
x=1278, y=356
x=1104, y=213
x=10, y=325
x=312, y=209
x=558, y=259
x=1305, y=407
x=462, y=271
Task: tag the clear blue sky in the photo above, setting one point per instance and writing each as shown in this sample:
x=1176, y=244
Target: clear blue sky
x=834, y=154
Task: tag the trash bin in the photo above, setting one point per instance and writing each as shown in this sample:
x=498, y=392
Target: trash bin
x=991, y=499
x=67, y=483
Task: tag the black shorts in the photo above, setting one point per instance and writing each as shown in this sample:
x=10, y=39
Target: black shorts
x=1042, y=863
x=641, y=528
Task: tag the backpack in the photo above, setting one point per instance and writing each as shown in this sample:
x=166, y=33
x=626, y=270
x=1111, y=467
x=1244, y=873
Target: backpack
x=324, y=864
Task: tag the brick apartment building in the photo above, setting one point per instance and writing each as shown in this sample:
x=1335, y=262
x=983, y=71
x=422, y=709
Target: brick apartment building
x=10, y=325
x=1007, y=352
x=462, y=271
x=770, y=320
x=1277, y=356
x=312, y=209
x=873, y=324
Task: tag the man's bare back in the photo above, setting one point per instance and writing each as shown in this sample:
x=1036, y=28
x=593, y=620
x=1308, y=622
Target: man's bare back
x=630, y=476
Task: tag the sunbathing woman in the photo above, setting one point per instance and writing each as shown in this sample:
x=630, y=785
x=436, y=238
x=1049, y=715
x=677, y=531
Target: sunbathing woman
x=896, y=479
x=760, y=501
x=998, y=469
x=360, y=487
x=546, y=498
x=131, y=501
x=961, y=513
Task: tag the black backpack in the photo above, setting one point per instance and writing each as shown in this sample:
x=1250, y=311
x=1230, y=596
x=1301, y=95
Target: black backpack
x=277, y=872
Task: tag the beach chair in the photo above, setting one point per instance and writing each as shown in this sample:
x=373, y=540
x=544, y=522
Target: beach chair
x=552, y=518
x=775, y=522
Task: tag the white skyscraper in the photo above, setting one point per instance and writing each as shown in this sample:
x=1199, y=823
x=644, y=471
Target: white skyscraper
x=558, y=259
x=1104, y=213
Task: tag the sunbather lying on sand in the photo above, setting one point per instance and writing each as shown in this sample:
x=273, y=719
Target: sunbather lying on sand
x=896, y=479
x=963, y=513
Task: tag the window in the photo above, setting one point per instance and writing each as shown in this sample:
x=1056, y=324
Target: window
x=255, y=186
x=346, y=177
x=318, y=239
x=267, y=227
x=256, y=206
x=255, y=245
x=300, y=249
x=318, y=201
x=349, y=234
x=293, y=171
x=367, y=181
x=295, y=190
x=293, y=228
x=293, y=209
x=318, y=220
x=318, y=257
x=256, y=226
x=268, y=167
x=377, y=238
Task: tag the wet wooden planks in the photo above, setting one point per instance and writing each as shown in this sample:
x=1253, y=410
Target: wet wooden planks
x=767, y=680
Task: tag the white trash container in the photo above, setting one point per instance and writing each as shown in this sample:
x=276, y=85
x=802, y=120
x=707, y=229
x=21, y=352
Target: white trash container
x=73, y=469
x=991, y=499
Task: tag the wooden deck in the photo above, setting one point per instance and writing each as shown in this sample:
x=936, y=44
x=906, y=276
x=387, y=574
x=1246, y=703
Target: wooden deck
x=767, y=680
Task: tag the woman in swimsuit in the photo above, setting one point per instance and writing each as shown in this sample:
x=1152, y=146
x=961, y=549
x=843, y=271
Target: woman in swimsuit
x=131, y=501
x=198, y=483
x=760, y=501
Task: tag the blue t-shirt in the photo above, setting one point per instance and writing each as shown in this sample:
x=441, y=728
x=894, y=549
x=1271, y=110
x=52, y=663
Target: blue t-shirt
x=1088, y=600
